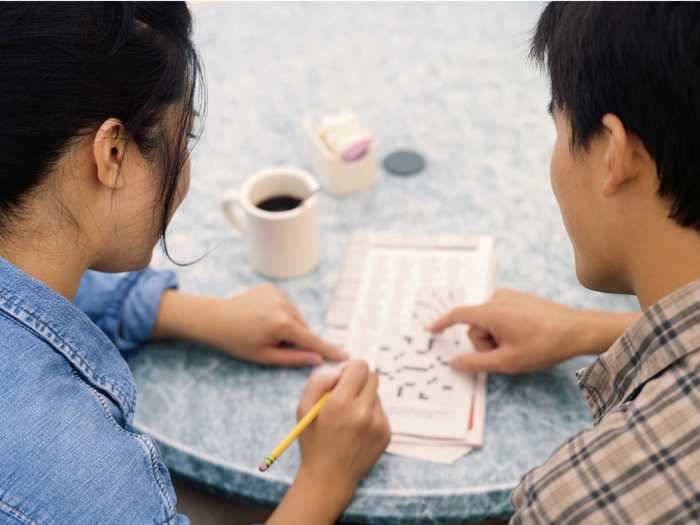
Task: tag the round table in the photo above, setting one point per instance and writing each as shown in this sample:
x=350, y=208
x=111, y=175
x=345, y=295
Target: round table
x=450, y=81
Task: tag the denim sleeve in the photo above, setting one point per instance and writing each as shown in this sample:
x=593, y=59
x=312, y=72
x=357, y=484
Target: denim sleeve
x=124, y=306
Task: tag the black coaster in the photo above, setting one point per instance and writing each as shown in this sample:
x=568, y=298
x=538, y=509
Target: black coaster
x=404, y=163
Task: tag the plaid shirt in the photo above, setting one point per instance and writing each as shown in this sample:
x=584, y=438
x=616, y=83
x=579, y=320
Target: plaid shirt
x=640, y=463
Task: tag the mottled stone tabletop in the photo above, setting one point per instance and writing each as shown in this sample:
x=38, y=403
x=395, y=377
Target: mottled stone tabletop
x=449, y=80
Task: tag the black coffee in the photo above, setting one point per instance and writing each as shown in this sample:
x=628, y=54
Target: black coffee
x=279, y=203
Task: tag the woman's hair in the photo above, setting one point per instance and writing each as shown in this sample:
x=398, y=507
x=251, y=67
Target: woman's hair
x=65, y=68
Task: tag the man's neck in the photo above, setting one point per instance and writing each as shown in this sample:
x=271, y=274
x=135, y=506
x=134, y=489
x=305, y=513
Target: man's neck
x=666, y=262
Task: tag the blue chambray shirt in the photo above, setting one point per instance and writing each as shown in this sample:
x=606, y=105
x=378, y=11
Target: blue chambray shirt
x=68, y=451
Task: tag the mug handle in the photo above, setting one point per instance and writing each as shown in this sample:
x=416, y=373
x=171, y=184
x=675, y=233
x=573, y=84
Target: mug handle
x=231, y=206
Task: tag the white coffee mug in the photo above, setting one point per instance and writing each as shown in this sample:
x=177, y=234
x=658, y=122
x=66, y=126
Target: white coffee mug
x=282, y=244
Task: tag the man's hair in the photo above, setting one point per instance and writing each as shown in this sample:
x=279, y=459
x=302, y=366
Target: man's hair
x=641, y=62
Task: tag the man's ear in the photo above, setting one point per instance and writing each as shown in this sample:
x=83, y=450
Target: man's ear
x=109, y=147
x=620, y=155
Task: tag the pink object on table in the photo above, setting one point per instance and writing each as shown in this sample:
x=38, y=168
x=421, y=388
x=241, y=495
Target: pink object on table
x=356, y=151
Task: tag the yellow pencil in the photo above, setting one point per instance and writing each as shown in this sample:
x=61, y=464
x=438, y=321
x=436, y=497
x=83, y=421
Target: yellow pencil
x=289, y=438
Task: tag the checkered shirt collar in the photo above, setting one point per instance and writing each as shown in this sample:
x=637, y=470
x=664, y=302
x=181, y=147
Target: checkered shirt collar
x=666, y=332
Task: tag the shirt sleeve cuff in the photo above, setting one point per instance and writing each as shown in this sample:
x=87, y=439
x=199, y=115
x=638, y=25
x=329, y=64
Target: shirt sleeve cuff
x=140, y=307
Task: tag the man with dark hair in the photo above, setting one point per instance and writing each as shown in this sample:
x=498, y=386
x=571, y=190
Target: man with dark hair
x=625, y=170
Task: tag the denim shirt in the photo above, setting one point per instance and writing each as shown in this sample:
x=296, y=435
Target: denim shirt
x=68, y=451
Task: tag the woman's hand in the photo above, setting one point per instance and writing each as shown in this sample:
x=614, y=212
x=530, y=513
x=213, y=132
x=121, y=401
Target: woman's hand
x=350, y=433
x=516, y=332
x=259, y=325
x=337, y=450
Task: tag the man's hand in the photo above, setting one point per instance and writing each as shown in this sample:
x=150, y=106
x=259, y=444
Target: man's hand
x=516, y=333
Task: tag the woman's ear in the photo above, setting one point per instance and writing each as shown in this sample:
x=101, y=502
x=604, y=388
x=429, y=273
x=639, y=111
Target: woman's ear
x=109, y=147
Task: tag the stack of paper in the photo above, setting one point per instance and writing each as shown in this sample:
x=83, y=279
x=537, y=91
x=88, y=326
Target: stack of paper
x=392, y=287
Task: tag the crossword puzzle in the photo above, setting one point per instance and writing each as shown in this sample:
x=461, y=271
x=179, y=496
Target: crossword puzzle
x=412, y=367
x=390, y=290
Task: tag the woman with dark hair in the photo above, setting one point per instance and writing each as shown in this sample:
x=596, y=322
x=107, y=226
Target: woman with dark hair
x=96, y=108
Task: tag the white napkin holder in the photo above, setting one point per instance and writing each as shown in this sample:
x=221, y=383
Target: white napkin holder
x=337, y=175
